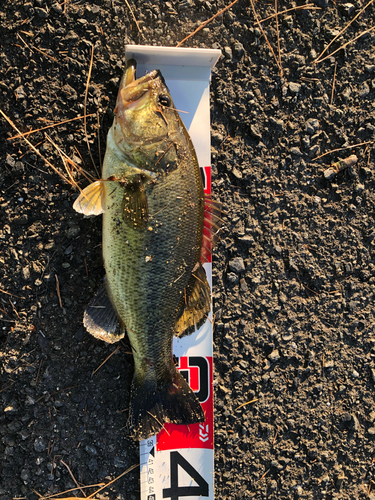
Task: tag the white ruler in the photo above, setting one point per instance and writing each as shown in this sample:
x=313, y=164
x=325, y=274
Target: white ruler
x=178, y=463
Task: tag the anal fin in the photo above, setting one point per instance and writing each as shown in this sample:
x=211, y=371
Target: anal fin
x=197, y=303
x=101, y=320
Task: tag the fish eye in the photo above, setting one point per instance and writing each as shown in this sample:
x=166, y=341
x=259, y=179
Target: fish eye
x=164, y=100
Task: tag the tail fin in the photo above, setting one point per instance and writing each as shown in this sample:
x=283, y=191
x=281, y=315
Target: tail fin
x=152, y=404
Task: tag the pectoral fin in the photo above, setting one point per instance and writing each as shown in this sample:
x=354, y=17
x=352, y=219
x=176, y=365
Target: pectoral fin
x=101, y=320
x=197, y=304
x=134, y=204
x=91, y=199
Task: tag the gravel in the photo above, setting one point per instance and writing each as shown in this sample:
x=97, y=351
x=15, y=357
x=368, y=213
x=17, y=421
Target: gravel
x=294, y=271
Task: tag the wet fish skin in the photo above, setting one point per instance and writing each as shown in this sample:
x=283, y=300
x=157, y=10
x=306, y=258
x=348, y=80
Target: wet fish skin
x=153, y=211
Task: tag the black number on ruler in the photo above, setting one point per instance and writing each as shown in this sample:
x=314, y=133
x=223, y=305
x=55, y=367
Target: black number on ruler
x=204, y=376
x=176, y=491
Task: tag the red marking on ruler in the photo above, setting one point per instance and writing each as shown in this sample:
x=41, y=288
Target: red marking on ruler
x=206, y=174
x=207, y=238
x=195, y=435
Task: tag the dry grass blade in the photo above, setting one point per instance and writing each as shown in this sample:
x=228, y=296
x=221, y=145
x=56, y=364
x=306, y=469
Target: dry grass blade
x=265, y=37
x=11, y=294
x=206, y=22
x=278, y=37
x=334, y=83
x=67, y=161
x=33, y=147
x=309, y=6
x=37, y=375
x=247, y=403
x=67, y=491
x=175, y=109
x=6, y=387
x=20, y=37
x=85, y=105
x=345, y=45
x=318, y=60
x=133, y=16
x=47, y=126
x=57, y=495
x=113, y=480
x=264, y=475
x=32, y=47
x=342, y=149
x=106, y=359
x=74, y=479
x=58, y=290
x=14, y=309
x=65, y=5
x=44, y=53
x=274, y=439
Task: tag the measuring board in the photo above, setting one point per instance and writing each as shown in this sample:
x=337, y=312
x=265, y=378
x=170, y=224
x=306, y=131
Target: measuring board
x=179, y=461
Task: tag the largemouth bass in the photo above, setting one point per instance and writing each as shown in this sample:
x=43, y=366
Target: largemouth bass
x=152, y=200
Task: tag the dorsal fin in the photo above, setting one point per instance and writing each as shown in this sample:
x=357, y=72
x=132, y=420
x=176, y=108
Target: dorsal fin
x=211, y=227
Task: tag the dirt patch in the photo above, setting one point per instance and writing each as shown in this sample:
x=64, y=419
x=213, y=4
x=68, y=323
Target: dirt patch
x=294, y=272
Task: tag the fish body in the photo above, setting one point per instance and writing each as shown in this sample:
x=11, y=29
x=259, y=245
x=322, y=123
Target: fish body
x=152, y=200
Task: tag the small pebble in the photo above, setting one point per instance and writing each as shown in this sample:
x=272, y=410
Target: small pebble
x=227, y=52
x=287, y=337
x=237, y=265
x=294, y=87
x=91, y=450
x=364, y=90
x=274, y=356
x=56, y=7
x=299, y=491
x=24, y=475
x=348, y=8
x=314, y=151
x=329, y=174
x=10, y=161
x=238, y=49
x=340, y=480
x=243, y=285
x=43, y=14
x=296, y=151
x=39, y=445
x=312, y=125
x=356, y=424
x=232, y=278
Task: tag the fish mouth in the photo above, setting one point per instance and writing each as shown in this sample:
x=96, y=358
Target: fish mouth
x=134, y=93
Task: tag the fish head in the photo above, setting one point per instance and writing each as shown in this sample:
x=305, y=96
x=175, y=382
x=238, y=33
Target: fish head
x=145, y=115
